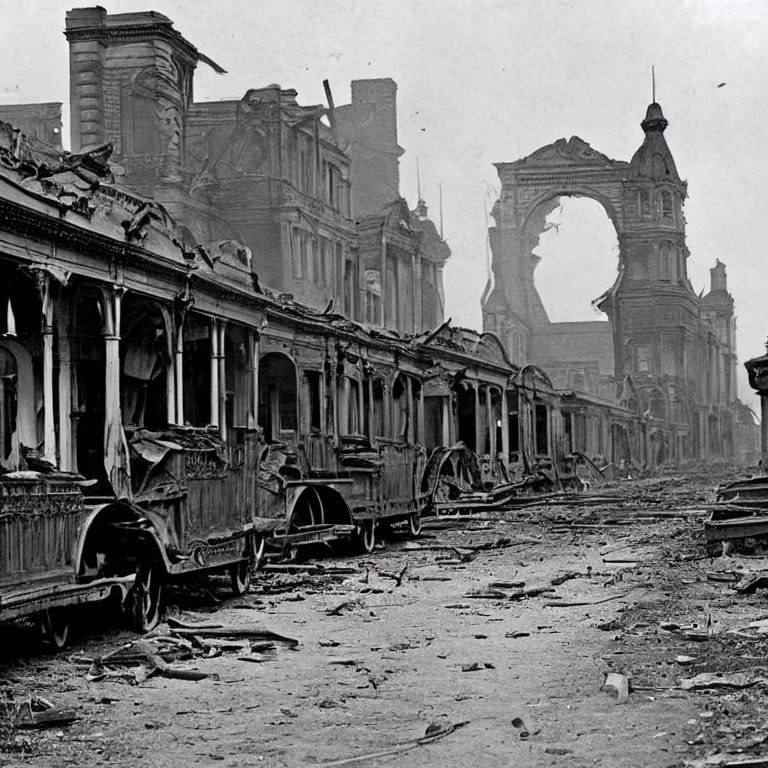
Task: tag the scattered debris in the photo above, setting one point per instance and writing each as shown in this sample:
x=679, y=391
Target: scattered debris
x=431, y=735
x=522, y=728
x=397, y=577
x=575, y=603
x=617, y=685
x=567, y=576
x=37, y=712
x=718, y=680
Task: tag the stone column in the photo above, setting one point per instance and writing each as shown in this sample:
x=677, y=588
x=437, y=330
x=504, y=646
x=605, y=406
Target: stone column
x=420, y=436
x=214, y=374
x=445, y=411
x=361, y=406
x=478, y=424
x=253, y=416
x=49, y=425
x=179, y=375
x=66, y=454
x=410, y=436
x=491, y=423
x=344, y=407
x=170, y=377
x=371, y=410
x=115, y=448
x=43, y=283
x=505, y=426
x=222, y=377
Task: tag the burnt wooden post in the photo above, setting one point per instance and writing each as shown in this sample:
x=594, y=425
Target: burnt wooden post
x=505, y=426
x=410, y=437
x=491, y=423
x=253, y=418
x=43, y=280
x=478, y=422
x=214, y=393
x=66, y=453
x=371, y=410
x=115, y=448
x=222, y=376
x=445, y=405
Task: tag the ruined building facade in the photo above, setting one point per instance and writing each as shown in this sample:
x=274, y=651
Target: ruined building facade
x=666, y=356
x=312, y=192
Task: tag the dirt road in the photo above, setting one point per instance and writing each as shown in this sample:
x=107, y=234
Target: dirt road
x=504, y=627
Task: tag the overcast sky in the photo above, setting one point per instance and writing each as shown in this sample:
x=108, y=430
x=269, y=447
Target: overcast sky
x=483, y=82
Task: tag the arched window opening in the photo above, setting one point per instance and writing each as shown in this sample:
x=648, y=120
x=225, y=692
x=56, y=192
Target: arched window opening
x=541, y=429
x=657, y=405
x=239, y=381
x=416, y=397
x=665, y=260
x=278, y=403
x=378, y=408
x=197, y=370
x=579, y=251
x=514, y=421
x=9, y=382
x=140, y=129
x=88, y=327
x=643, y=358
x=465, y=413
x=353, y=408
x=400, y=410
x=643, y=203
x=496, y=418
x=314, y=399
x=145, y=357
x=667, y=211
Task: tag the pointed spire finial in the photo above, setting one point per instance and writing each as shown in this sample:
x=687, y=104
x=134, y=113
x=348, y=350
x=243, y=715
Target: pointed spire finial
x=441, y=212
x=653, y=84
x=418, y=180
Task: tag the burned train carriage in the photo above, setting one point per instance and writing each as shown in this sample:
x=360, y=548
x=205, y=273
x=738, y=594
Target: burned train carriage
x=163, y=415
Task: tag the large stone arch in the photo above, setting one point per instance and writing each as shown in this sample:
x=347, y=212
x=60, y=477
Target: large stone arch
x=555, y=193
x=563, y=169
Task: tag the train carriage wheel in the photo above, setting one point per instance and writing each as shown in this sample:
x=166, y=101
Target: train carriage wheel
x=258, y=558
x=57, y=626
x=367, y=536
x=414, y=523
x=146, y=596
x=240, y=577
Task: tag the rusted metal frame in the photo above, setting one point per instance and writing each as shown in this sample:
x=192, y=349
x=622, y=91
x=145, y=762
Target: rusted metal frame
x=22, y=602
x=724, y=530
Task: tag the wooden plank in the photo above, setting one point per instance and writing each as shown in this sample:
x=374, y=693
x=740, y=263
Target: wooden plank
x=723, y=530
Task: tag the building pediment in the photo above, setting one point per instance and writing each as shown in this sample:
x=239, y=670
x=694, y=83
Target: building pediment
x=573, y=151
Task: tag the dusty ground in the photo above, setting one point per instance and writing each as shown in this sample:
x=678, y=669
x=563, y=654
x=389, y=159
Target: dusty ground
x=393, y=659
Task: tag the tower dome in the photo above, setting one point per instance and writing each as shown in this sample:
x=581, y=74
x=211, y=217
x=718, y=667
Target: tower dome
x=653, y=160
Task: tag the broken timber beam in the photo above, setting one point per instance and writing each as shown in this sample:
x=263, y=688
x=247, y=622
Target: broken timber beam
x=740, y=528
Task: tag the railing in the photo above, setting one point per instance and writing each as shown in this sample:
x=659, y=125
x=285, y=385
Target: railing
x=400, y=464
x=39, y=522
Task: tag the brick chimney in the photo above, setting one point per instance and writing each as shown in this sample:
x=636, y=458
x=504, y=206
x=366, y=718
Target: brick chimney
x=131, y=85
x=368, y=130
x=718, y=278
x=86, y=74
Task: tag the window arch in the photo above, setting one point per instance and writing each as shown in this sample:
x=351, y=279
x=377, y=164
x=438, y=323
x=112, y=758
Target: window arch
x=643, y=203
x=666, y=205
x=278, y=399
x=17, y=398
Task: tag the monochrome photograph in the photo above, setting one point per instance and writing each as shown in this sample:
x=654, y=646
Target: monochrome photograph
x=383, y=383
